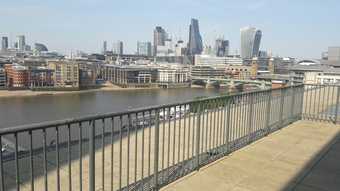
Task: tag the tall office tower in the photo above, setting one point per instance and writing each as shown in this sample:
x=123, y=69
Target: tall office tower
x=104, y=47
x=21, y=43
x=250, y=42
x=195, y=45
x=144, y=48
x=222, y=47
x=159, y=38
x=118, y=48
x=4, y=43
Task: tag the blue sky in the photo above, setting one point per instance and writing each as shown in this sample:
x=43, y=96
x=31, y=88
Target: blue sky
x=299, y=28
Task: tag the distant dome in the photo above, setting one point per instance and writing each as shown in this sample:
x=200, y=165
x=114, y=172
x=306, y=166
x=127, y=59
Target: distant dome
x=40, y=47
x=307, y=62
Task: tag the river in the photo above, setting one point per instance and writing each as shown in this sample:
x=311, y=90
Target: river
x=25, y=110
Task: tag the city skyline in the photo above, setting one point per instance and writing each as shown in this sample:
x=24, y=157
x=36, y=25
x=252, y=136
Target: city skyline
x=66, y=30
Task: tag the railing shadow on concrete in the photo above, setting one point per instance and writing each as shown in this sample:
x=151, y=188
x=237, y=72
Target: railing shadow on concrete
x=321, y=172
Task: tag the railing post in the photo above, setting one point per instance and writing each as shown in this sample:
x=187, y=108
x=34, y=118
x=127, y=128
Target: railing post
x=92, y=156
x=282, y=100
x=156, y=149
x=250, y=117
x=227, y=125
x=337, y=105
x=268, y=108
x=198, y=132
x=292, y=115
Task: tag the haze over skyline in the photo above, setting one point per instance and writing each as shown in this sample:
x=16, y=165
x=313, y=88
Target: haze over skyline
x=300, y=29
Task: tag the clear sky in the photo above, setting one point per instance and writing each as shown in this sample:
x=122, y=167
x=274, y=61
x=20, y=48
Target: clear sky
x=299, y=28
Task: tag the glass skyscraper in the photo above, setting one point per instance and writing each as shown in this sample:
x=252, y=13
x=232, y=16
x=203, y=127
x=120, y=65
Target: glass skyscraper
x=250, y=42
x=4, y=43
x=195, y=45
x=144, y=48
x=159, y=38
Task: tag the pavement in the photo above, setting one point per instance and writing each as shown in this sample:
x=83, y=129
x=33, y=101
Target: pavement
x=302, y=156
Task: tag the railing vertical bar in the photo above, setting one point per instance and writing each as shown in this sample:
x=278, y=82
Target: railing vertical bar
x=323, y=103
x=45, y=160
x=169, y=138
x=337, y=105
x=174, y=138
x=156, y=151
x=179, y=134
x=112, y=152
x=17, y=174
x=211, y=109
x=57, y=158
x=31, y=159
x=120, y=150
x=228, y=124
x=1, y=167
x=69, y=156
x=250, y=117
x=80, y=156
x=149, y=145
x=206, y=125
x=184, y=131
x=163, y=142
x=136, y=149
x=189, y=129
x=128, y=152
x=142, y=154
x=328, y=103
x=92, y=169
x=218, y=125
x=198, y=136
x=103, y=153
x=267, y=113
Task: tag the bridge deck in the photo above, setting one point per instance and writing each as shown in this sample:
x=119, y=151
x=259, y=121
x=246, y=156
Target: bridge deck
x=303, y=156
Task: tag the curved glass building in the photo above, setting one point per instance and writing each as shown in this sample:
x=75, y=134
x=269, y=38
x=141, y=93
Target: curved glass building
x=40, y=47
x=250, y=42
x=195, y=45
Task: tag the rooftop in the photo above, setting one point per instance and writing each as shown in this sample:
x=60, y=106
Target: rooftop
x=302, y=156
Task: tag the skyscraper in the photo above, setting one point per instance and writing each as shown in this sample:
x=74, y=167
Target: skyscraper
x=195, y=45
x=118, y=48
x=221, y=47
x=159, y=38
x=144, y=48
x=104, y=47
x=4, y=43
x=21, y=43
x=250, y=42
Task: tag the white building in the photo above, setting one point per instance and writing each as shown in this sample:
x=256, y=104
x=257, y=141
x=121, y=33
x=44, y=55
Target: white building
x=208, y=60
x=173, y=75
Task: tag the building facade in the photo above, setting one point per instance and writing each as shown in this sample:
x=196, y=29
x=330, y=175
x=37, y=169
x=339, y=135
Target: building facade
x=214, y=60
x=195, y=45
x=173, y=75
x=205, y=72
x=2, y=78
x=16, y=76
x=66, y=73
x=130, y=76
x=250, y=42
x=40, y=77
x=239, y=72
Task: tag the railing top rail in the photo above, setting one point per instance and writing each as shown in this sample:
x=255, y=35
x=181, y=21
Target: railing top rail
x=56, y=123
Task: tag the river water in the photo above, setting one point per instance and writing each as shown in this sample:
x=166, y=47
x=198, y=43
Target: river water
x=25, y=110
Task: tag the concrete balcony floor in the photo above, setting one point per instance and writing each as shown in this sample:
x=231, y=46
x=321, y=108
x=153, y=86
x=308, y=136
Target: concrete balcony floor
x=302, y=156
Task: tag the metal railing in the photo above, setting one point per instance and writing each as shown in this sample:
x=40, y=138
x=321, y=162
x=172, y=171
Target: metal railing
x=143, y=149
x=321, y=102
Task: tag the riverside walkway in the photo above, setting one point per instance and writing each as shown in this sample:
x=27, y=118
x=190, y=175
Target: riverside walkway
x=302, y=156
